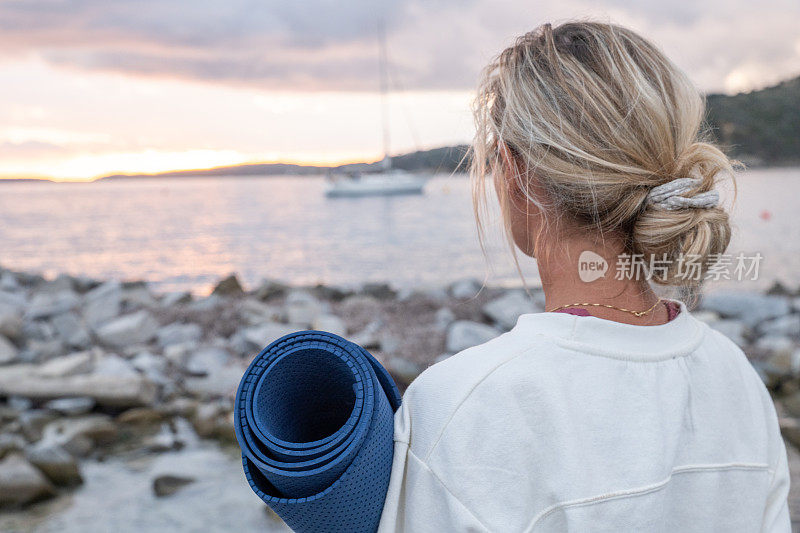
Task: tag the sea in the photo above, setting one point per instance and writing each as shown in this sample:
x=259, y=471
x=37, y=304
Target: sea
x=186, y=233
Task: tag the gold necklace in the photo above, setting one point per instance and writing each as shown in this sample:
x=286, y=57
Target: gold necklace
x=635, y=313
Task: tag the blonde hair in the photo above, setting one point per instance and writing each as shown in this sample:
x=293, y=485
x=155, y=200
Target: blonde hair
x=598, y=117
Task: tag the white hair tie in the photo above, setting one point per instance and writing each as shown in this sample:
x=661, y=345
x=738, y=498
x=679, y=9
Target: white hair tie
x=668, y=196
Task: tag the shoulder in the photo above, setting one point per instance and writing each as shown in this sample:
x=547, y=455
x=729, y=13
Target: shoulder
x=433, y=398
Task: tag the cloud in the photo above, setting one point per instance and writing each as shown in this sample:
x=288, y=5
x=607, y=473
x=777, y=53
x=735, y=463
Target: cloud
x=331, y=45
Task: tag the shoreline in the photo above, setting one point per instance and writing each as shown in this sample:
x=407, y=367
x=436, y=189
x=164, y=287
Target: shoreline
x=93, y=370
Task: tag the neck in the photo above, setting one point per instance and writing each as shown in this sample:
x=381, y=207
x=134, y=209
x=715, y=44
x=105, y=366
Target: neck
x=563, y=285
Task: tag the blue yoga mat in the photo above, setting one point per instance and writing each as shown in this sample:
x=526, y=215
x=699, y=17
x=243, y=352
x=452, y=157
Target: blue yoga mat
x=314, y=418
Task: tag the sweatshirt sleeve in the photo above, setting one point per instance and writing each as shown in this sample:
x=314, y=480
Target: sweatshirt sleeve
x=417, y=501
x=776, y=512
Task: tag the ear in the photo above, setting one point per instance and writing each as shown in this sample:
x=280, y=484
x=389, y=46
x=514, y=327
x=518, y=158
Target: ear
x=510, y=170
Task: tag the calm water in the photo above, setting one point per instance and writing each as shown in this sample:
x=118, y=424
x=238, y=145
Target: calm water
x=184, y=233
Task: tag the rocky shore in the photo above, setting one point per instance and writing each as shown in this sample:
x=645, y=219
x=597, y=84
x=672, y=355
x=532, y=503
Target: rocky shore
x=93, y=370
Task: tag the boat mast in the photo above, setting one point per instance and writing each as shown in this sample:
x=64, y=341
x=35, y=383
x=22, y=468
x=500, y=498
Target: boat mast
x=386, y=163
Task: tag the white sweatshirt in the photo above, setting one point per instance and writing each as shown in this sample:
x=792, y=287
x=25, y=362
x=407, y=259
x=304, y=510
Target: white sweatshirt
x=574, y=423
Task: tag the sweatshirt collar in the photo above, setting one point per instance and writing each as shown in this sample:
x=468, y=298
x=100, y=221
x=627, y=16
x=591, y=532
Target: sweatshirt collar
x=678, y=337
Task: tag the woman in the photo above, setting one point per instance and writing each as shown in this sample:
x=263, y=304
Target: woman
x=614, y=410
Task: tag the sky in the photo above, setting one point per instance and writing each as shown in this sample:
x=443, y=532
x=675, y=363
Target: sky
x=96, y=87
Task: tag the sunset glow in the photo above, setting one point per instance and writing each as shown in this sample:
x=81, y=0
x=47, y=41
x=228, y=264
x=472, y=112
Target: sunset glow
x=104, y=89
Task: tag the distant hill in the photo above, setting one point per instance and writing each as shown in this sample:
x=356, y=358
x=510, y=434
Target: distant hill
x=445, y=159
x=760, y=127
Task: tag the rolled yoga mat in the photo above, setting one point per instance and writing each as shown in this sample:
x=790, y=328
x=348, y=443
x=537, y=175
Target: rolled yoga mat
x=314, y=418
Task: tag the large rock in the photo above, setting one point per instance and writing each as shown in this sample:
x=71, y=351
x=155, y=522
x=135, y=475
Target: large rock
x=107, y=390
x=8, y=352
x=505, y=311
x=177, y=333
x=72, y=331
x=47, y=304
x=56, y=463
x=464, y=334
x=135, y=328
x=69, y=365
x=21, y=482
x=102, y=303
x=229, y=286
x=752, y=308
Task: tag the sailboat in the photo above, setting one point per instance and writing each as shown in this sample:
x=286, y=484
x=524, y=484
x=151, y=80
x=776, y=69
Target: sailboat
x=387, y=181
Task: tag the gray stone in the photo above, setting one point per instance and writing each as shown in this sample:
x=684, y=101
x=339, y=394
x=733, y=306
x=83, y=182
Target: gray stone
x=151, y=365
x=102, y=303
x=369, y=337
x=21, y=482
x=11, y=442
x=444, y=317
x=138, y=296
x=8, y=282
x=269, y=289
x=79, y=405
x=465, y=288
x=164, y=441
x=255, y=312
x=389, y=342
x=505, y=311
x=262, y=335
x=34, y=421
x=331, y=324
x=166, y=485
x=734, y=329
x=8, y=352
x=69, y=365
x=222, y=382
x=10, y=322
x=71, y=330
x=228, y=286
x=206, y=361
x=112, y=365
x=177, y=333
x=43, y=350
x=178, y=354
x=752, y=308
x=463, y=334
x=107, y=390
x=404, y=370
x=788, y=325
x=775, y=345
x=56, y=463
x=207, y=304
x=80, y=435
x=130, y=329
x=12, y=301
x=176, y=298
x=302, y=308
x=47, y=304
